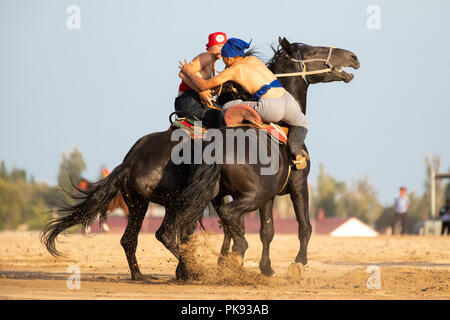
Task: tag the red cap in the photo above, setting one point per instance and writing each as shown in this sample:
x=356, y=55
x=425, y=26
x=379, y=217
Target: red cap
x=216, y=38
x=105, y=172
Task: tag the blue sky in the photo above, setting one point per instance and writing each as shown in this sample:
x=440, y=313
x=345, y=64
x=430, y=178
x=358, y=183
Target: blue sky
x=102, y=87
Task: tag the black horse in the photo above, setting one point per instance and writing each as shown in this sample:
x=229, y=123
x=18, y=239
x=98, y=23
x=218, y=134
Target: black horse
x=148, y=174
x=251, y=190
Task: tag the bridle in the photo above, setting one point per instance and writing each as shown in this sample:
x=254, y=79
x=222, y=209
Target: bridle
x=303, y=73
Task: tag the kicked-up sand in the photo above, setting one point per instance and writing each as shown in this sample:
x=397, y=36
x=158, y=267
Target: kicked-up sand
x=406, y=267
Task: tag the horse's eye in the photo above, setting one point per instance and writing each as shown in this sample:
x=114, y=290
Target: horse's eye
x=315, y=53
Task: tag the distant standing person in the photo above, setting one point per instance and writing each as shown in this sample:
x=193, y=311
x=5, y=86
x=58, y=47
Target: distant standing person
x=444, y=213
x=401, y=209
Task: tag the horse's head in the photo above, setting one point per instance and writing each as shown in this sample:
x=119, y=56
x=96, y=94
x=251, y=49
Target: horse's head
x=327, y=61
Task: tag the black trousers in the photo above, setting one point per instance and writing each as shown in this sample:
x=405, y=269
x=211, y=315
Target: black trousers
x=397, y=217
x=189, y=102
x=445, y=225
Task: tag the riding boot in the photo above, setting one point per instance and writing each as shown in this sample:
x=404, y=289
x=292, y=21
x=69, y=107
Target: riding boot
x=296, y=138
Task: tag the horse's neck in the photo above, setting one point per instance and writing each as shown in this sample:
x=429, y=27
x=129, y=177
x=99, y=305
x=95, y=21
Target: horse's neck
x=298, y=89
x=296, y=86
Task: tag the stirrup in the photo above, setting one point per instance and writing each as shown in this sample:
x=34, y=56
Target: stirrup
x=300, y=161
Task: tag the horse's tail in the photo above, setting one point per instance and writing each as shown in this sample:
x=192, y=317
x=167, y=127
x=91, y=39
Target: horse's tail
x=198, y=194
x=94, y=204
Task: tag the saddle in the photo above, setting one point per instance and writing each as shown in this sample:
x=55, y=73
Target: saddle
x=244, y=115
x=187, y=124
x=236, y=116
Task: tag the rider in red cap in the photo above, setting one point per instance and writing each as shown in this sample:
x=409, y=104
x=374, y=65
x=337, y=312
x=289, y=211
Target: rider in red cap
x=190, y=98
x=216, y=38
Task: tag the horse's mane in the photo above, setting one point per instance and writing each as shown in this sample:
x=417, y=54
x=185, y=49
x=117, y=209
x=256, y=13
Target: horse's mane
x=253, y=52
x=278, y=59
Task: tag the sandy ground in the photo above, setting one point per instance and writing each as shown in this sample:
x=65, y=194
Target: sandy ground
x=411, y=267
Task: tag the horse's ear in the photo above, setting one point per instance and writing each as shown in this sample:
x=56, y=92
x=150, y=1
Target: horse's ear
x=285, y=44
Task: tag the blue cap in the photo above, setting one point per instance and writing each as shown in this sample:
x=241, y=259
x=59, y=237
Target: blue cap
x=234, y=47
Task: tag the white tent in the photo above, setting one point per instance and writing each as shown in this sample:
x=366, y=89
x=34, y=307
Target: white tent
x=353, y=227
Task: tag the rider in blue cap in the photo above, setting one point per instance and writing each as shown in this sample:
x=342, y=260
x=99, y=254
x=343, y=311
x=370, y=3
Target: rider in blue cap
x=272, y=102
x=235, y=47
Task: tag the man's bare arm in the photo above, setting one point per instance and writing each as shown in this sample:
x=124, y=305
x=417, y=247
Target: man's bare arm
x=188, y=81
x=197, y=65
x=203, y=84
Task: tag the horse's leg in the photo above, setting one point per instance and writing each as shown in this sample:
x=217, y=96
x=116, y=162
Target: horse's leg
x=122, y=203
x=216, y=203
x=166, y=233
x=171, y=235
x=226, y=242
x=129, y=239
x=231, y=214
x=300, y=198
x=266, y=233
x=182, y=273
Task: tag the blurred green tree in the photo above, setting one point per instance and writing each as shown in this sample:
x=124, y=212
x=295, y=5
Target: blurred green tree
x=12, y=204
x=70, y=169
x=360, y=201
x=3, y=171
x=328, y=193
x=23, y=202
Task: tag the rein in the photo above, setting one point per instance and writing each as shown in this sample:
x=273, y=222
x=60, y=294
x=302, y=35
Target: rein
x=287, y=179
x=304, y=73
x=208, y=103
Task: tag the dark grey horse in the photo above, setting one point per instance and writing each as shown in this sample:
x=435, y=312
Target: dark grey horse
x=148, y=174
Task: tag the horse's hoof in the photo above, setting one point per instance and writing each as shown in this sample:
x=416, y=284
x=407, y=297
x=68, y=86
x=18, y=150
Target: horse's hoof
x=182, y=275
x=137, y=277
x=221, y=260
x=266, y=269
x=267, y=272
x=295, y=270
x=188, y=277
